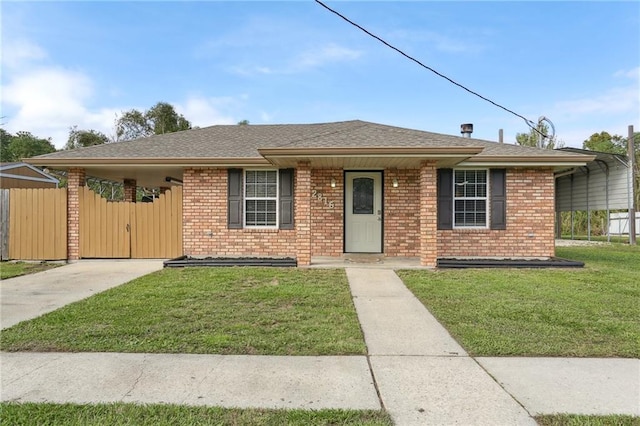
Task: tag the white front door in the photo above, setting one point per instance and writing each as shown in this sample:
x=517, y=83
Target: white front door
x=363, y=212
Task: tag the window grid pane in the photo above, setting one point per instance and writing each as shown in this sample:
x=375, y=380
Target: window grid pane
x=470, y=198
x=261, y=192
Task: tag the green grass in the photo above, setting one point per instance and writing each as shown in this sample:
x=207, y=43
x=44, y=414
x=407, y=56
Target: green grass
x=15, y=269
x=581, y=420
x=262, y=311
x=590, y=312
x=152, y=415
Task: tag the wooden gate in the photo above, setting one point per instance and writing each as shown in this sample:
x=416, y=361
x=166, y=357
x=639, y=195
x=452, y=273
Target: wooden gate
x=37, y=224
x=123, y=229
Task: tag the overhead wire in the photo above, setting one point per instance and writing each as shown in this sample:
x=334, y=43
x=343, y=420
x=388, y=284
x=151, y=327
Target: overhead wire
x=528, y=122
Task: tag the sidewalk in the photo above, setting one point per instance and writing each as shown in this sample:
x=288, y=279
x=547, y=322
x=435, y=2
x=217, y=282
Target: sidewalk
x=220, y=380
x=414, y=370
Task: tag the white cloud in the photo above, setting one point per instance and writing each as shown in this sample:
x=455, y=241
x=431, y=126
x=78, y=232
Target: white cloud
x=18, y=53
x=251, y=70
x=203, y=112
x=632, y=73
x=305, y=61
x=330, y=53
x=266, y=117
x=46, y=101
x=614, y=101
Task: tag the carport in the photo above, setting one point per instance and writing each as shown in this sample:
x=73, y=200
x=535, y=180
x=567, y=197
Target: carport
x=603, y=184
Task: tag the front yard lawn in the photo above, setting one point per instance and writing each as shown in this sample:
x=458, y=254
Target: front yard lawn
x=156, y=414
x=583, y=420
x=15, y=269
x=590, y=312
x=262, y=311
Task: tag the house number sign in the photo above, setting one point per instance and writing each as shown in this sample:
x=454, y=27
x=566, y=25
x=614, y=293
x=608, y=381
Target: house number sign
x=320, y=197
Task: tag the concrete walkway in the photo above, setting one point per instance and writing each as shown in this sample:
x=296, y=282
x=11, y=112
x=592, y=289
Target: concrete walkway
x=423, y=375
x=30, y=296
x=220, y=380
x=414, y=370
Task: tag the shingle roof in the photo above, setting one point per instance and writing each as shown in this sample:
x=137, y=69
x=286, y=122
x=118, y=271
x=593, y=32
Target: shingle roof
x=235, y=141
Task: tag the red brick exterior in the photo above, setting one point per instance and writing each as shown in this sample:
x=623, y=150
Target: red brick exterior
x=401, y=218
x=428, y=214
x=75, y=181
x=205, y=231
x=410, y=218
x=303, y=219
x=530, y=222
x=327, y=212
x=129, y=189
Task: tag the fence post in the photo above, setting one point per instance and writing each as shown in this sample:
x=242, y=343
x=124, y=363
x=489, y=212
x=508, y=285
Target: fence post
x=632, y=178
x=4, y=224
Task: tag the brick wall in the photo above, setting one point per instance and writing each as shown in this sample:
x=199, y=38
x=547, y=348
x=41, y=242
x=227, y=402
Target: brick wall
x=401, y=219
x=75, y=181
x=205, y=232
x=130, y=190
x=303, y=219
x=409, y=221
x=428, y=214
x=327, y=223
x=530, y=222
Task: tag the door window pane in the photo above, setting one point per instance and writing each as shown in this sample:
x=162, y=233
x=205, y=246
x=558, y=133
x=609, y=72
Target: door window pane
x=363, y=196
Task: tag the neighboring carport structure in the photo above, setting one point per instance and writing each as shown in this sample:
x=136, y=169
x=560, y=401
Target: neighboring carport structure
x=23, y=175
x=604, y=184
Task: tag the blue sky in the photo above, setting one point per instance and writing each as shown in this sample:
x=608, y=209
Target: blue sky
x=81, y=63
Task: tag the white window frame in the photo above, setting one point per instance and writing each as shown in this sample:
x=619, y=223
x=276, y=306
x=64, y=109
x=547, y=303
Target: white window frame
x=245, y=199
x=486, y=199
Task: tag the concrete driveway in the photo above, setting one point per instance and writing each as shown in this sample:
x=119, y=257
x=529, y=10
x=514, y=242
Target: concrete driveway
x=29, y=296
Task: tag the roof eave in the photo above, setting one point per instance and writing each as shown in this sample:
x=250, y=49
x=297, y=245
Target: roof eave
x=556, y=162
x=149, y=162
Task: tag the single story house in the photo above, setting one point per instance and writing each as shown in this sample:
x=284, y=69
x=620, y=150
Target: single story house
x=306, y=190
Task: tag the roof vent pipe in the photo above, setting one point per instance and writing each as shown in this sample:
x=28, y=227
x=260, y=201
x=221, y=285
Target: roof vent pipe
x=501, y=136
x=466, y=130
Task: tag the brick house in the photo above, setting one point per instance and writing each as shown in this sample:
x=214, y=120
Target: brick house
x=328, y=189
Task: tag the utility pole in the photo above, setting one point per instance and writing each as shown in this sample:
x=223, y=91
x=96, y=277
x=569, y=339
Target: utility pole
x=632, y=175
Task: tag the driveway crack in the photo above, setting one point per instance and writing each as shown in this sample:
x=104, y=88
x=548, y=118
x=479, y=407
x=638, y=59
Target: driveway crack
x=137, y=380
x=35, y=369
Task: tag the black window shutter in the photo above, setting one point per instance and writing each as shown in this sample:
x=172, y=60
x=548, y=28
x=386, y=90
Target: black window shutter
x=498, y=198
x=234, y=199
x=286, y=199
x=445, y=198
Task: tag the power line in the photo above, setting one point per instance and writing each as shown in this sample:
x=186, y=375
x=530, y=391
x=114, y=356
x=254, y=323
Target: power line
x=526, y=120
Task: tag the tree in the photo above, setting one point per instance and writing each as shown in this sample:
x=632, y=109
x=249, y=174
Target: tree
x=533, y=138
x=243, y=123
x=132, y=124
x=163, y=118
x=5, y=141
x=604, y=142
x=159, y=119
x=84, y=138
x=23, y=145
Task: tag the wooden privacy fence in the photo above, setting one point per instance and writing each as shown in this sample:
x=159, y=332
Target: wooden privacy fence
x=37, y=224
x=33, y=225
x=131, y=230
